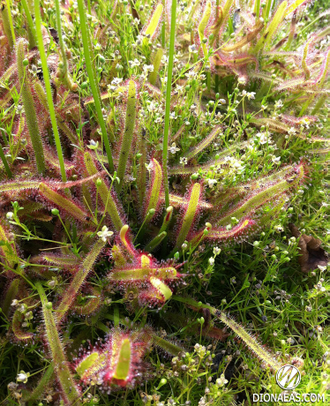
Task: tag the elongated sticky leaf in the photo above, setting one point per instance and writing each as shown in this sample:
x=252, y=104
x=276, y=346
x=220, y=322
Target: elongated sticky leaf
x=155, y=187
x=70, y=391
x=189, y=215
x=126, y=144
x=106, y=196
x=31, y=115
x=79, y=279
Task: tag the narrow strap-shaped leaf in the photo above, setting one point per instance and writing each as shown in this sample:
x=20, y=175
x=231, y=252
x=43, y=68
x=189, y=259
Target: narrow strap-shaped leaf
x=40, y=92
x=167, y=219
x=90, y=365
x=91, y=305
x=153, y=244
x=7, y=24
x=203, y=24
x=62, y=202
x=19, y=332
x=131, y=275
x=204, y=143
x=272, y=27
x=88, y=57
x=189, y=215
x=78, y=280
x=167, y=346
x=151, y=29
x=260, y=197
x=247, y=338
x=199, y=237
x=161, y=287
x=142, y=170
x=126, y=144
x=10, y=296
x=293, y=6
x=17, y=186
x=124, y=360
x=7, y=250
x=156, y=62
x=223, y=235
x=31, y=115
x=40, y=388
x=155, y=187
x=70, y=391
x=303, y=61
x=65, y=261
x=107, y=197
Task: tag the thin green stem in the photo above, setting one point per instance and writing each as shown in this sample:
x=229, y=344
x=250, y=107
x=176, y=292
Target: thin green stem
x=248, y=339
x=5, y=163
x=92, y=81
x=31, y=28
x=60, y=37
x=168, y=103
x=163, y=29
x=48, y=88
x=11, y=22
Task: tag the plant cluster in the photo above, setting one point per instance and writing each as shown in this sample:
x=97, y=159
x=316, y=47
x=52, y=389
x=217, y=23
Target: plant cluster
x=129, y=176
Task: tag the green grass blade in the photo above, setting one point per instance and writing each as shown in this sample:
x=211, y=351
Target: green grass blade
x=92, y=81
x=168, y=102
x=48, y=88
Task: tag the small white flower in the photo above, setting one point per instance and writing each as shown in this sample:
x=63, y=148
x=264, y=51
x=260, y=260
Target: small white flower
x=148, y=68
x=10, y=215
x=134, y=63
x=278, y=104
x=263, y=107
x=93, y=144
x=292, y=131
x=14, y=302
x=221, y=381
x=222, y=101
x=116, y=81
x=183, y=161
x=276, y=160
x=212, y=182
x=173, y=116
x=241, y=80
x=173, y=148
x=104, y=233
x=211, y=261
x=279, y=228
x=262, y=138
x=191, y=74
x=193, y=49
x=216, y=250
x=22, y=377
x=250, y=95
x=22, y=308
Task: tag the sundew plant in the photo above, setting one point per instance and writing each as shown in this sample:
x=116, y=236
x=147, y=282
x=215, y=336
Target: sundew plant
x=164, y=200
